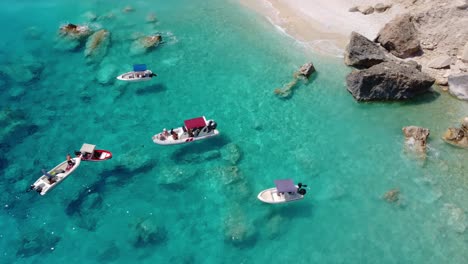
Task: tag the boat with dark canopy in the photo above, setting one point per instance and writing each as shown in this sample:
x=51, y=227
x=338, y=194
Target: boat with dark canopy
x=285, y=191
x=140, y=73
x=193, y=129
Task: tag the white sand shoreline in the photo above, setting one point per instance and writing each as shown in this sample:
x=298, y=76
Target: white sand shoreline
x=324, y=26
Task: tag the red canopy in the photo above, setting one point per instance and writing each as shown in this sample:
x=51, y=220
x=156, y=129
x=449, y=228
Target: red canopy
x=195, y=122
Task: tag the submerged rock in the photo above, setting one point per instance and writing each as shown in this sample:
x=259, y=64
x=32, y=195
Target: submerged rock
x=106, y=74
x=454, y=217
x=362, y=53
x=149, y=232
x=151, y=18
x=388, y=81
x=458, y=85
x=36, y=242
x=392, y=195
x=400, y=37
x=458, y=136
x=145, y=43
x=97, y=44
x=416, y=138
x=231, y=153
x=238, y=231
x=304, y=72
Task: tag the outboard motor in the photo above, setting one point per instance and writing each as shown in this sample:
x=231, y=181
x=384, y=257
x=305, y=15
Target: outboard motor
x=301, y=190
x=212, y=125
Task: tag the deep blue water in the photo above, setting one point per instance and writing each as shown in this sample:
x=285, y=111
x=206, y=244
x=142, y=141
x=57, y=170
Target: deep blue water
x=197, y=203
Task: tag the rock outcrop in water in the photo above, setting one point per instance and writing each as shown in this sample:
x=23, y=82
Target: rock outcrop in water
x=363, y=53
x=75, y=32
x=416, y=138
x=304, y=72
x=392, y=196
x=388, y=81
x=400, y=37
x=458, y=136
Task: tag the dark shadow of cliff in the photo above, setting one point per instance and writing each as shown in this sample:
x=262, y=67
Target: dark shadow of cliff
x=425, y=98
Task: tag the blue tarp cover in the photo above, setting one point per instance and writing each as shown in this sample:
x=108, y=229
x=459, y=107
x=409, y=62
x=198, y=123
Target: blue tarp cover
x=139, y=67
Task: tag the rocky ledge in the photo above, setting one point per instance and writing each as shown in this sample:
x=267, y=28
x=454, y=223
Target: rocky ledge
x=388, y=81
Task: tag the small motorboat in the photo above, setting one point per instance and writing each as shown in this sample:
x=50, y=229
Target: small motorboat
x=89, y=152
x=192, y=130
x=285, y=191
x=55, y=176
x=140, y=73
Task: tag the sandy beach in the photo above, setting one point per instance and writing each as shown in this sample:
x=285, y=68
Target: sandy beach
x=325, y=26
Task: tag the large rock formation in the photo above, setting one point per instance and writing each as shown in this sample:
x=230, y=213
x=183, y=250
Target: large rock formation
x=416, y=138
x=458, y=136
x=362, y=53
x=388, y=81
x=458, y=85
x=399, y=36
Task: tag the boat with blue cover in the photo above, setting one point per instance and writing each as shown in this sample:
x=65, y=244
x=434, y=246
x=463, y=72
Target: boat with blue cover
x=285, y=191
x=140, y=73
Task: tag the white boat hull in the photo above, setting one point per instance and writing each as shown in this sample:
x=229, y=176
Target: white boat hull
x=135, y=76
x=272, y=196
x=184, y=138
x=60, y=172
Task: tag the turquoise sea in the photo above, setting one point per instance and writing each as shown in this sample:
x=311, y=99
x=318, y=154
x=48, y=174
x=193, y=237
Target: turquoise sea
x=196, y=203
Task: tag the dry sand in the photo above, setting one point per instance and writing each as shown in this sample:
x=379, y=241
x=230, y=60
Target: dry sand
x=324, y=25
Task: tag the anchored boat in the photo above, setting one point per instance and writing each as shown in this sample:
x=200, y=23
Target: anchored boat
x=55, y=176
x=192, y=130
x=285, y=191
x=89, y=152
x=140, y=73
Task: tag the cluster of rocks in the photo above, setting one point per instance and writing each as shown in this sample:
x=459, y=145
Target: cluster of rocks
x=367, y=9
x=416, y=137
x=383, y=76
x=97, y=42
x=304, y=72
x=397, y=78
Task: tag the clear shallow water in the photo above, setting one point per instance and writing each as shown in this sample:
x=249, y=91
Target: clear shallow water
x=197, y=203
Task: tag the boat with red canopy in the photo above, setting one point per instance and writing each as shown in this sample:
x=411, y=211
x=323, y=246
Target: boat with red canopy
x=193, y=129
x=285, y=191
x=89, y=152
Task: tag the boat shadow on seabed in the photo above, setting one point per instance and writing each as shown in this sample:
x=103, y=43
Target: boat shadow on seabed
x=187, y=153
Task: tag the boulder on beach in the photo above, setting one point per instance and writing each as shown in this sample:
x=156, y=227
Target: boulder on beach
x=416, y=138
x=400, y=37
x=365, y=10
x=440, y=62
x=362, y=53
x=458, y=85
x=380, y=7
x=464, y=55
x=388, y=81
x=458, y=136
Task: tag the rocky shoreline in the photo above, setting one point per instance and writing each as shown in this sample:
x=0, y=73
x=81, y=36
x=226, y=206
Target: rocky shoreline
x=431, y=33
